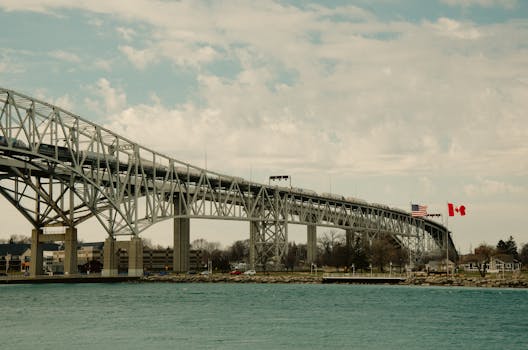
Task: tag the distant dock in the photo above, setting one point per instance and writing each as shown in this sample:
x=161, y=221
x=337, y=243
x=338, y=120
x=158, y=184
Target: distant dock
x=66, y=279
x=361, y=279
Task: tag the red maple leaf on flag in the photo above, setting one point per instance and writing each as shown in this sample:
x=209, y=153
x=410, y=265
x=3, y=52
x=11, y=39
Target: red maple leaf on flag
x=452, y=209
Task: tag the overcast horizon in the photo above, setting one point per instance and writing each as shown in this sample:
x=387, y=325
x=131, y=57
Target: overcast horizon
x=390, y=101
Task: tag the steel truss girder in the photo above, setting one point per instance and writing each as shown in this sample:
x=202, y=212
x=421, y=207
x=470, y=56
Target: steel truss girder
x=129, y=187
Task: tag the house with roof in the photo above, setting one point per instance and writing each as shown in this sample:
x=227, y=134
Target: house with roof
x=13, y=256
x=439, y=265
x=499, y=263
x=16, y=257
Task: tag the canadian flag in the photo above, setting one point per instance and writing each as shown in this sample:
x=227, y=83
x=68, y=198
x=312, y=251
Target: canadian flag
x=459, y=210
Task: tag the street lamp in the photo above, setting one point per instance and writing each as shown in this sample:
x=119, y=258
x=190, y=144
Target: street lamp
x=7, y=259
x=370, y=265
x=390, y=269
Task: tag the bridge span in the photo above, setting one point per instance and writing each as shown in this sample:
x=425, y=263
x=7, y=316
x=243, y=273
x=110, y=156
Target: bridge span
x=59, y=170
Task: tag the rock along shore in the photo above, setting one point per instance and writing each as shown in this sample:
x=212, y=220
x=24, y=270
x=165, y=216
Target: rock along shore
x=224, y=278
x=489, y=281
x=416, y=280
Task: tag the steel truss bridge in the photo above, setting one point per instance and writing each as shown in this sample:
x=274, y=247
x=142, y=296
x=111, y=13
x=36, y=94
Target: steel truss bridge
x=60, y=170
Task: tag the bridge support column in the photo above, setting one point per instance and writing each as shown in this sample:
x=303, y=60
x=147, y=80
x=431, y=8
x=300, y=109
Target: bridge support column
x=37, y=254
x=311, y=244
x=135, y=257
x=253, y=230
x=181, y=244
x=182, y=229
x=109, y=258
x=268, y=243
x=70, y=251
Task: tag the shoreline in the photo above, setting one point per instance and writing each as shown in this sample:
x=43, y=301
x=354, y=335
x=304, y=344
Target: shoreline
x=416, y=280
x=296, y=278
x=465, y=281
x=225, y=278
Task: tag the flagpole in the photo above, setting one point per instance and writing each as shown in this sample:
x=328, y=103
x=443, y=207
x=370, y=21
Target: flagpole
x=447, y=245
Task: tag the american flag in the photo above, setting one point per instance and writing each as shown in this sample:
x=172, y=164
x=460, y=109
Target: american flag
x=418, y=210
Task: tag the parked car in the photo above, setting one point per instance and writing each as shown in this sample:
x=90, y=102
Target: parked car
x=250, y=272
x=205, y=272
x=235, y=272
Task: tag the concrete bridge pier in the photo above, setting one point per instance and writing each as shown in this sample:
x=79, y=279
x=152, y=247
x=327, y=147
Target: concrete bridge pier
x=134, y=249
x=69, y=237
x=311, y=244
x=182, y=245
x=37, y=254
x=70, y=251
x=109, y=258
x=135, y=257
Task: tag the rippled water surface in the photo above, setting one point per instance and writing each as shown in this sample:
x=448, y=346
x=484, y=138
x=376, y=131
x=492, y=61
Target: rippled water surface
x=260, y=316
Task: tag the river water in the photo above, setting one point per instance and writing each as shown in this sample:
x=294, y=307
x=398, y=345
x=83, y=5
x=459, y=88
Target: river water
x=260, y=316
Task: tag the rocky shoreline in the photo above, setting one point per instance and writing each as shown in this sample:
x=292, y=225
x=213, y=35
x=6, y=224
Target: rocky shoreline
x=224, y=278
x=463, y=281
x=416, y=280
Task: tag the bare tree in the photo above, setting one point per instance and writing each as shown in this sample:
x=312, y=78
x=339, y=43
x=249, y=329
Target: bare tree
x=483, y=255
x=147, y=243
x=239, y=251
x=359, y=253
x=382, y=252
x=17, y=239
x=330, y=242
x=205, y=245
x=291, y=259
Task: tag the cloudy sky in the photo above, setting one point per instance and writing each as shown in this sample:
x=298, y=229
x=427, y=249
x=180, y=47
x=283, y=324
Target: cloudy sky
x=392, y=101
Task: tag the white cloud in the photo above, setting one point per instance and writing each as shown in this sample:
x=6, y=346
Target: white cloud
x=451, y=28
x=427, y=185
x=417, y=102
x=65, y=56
x=10, y=62
x=32, y=6
x=508, y=4
x=105, y=65
x=108, y=99
x=485, y=187
x=139, y=58
x=126, y=33
x=65, y=101
x=418, y=118
x=96, y=22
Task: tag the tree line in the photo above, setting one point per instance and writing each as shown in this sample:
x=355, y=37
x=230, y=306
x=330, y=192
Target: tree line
x=333, y=249
x=357, y=252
